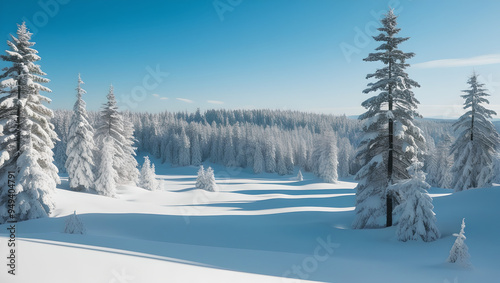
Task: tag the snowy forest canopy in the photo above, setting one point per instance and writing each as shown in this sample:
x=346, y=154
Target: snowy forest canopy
x=232, y=137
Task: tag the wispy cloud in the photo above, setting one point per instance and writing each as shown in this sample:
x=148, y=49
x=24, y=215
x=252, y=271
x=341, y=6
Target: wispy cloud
x=156, y=95
x=215, y=102
x=185, y=100
x=460, y=62
x=163, y=98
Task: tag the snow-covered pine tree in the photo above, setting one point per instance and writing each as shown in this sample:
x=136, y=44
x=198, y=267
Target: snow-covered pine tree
x=110, y=125
x=80, y=146
x=417, y=220
x=229, y=156
x=325, y=157
x=391, y=140
x=280, y=160
x=34, y=186
x=444, y=162
x=210, y=184
x=27, y=134
x=258, y=160
x=184, y=154
x=477, y=141
x=128, y=171
x=201, y=179
x=300, y=177
x=459, y=253
x=270, y=156
x=196, y=153
x=105, y=183
x=345, y=151
x=289, y=161
x=74, y=225
x=147, y=178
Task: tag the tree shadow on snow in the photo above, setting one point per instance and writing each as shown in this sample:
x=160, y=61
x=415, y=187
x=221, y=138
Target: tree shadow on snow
x=295, y=192
x=232, y=242
x=336, y=201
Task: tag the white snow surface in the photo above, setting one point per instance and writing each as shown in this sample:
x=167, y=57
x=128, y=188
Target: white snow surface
x=257, y=228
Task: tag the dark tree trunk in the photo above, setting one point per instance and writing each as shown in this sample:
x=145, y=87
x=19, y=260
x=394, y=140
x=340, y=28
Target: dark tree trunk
x=391, y=157
x=472, y=127
x=18, y=130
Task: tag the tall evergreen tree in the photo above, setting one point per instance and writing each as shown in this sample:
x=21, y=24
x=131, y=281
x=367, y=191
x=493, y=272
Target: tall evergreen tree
x=184, y=154
x=391, y=140
x=325, y=160
x=112, y=124
x=80, y=147
x=196, y=153
x=128, y=171
x=477, y=141
x=27, y=134
x=258, y=160
x=440, y=164
x=105, y=183
x=147, y=179
x=270, y=156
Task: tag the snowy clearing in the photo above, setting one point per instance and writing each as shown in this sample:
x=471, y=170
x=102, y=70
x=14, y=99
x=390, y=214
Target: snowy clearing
x=258, y=228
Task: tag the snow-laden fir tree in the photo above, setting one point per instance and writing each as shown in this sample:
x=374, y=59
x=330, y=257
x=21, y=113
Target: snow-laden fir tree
x=299, y=176
x=184, y=155
x=200, y=179
x=112, y=124
x=74, y=225
x=280, y=160
x=459, y=253
x=210, y=184
x=270, y=156
x=105, y=183
x=27, y=135
x=229, y=156
x=128, y=172
x=196, y=153
x=440, y=163
x=147, y=178
x=417, y=220
x=391, y=140
x=289, y=160
x=477, y=141
x=345, y=150
x=258, y=160
x=34, y=187
x=80, y=146
x=325, y=157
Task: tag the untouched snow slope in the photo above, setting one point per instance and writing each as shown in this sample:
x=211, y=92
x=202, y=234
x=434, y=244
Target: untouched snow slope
x=258, y=228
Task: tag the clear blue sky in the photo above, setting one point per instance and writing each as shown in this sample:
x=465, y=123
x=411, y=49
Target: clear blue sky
x=280, y=54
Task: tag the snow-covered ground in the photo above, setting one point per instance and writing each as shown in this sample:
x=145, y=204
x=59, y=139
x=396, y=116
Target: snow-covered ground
x=258, y=228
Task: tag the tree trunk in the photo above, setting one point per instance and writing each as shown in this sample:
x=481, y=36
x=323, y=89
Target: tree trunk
x=390, y=158
x=18, y=130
